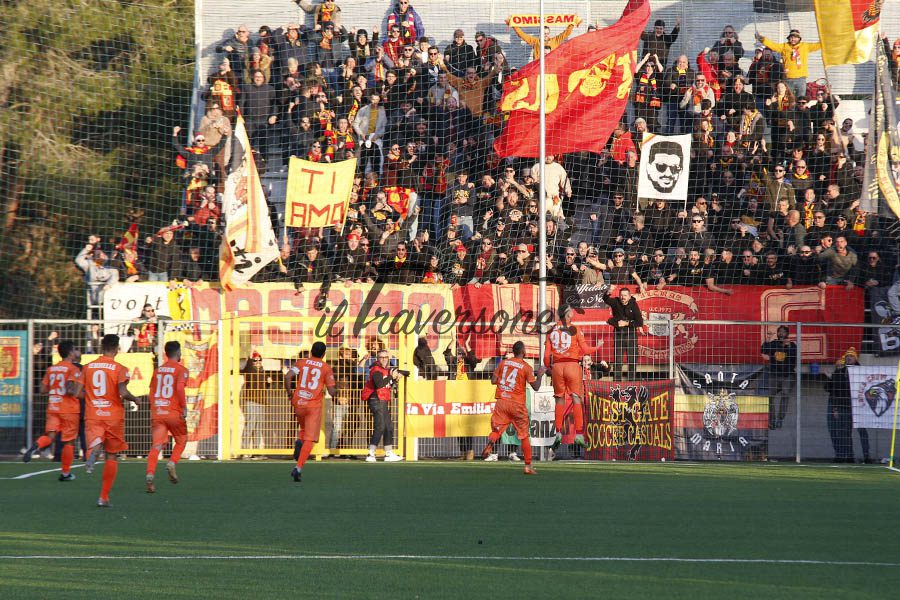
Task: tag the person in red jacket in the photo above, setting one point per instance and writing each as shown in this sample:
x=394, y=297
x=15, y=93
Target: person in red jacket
x=377, y=393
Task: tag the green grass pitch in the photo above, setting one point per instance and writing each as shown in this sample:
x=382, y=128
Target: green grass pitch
x=454, y=530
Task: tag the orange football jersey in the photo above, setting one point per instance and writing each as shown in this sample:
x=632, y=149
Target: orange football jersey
x=312, y=377
x=101, y=386
x=564, y=345
x=55, y=380
x=512, y=375
x=167, y=390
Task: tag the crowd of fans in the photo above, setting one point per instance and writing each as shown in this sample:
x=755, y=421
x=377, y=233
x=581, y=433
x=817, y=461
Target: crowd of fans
x=774, y=182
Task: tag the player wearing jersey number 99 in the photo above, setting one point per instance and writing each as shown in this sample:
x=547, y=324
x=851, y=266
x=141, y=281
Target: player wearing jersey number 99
x=563, y=351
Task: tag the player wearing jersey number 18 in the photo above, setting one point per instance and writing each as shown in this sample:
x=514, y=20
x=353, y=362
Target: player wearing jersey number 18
x=167, y=413
x=106, y=386
x=563, y=350
x=63, y=385
x=307, y=381
x=510, y=377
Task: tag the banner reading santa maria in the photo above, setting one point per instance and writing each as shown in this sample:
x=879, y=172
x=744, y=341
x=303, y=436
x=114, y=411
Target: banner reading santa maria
x=848, y=29
x=719, y=415
x=249, y=243
x=587, y=82
x=629, y=420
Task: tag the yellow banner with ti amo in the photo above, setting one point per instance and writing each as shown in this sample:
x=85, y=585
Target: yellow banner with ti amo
x=436, y=409
x=318, y=193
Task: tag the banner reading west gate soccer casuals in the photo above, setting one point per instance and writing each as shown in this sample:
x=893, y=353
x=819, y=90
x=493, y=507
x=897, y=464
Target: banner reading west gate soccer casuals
x=848, y=29
x=873, y=393
x=587, y=83
x=665, y=166
x=629, y=420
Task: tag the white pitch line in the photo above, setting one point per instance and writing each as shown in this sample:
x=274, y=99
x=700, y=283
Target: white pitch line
x=416, y=557
x=27, y=475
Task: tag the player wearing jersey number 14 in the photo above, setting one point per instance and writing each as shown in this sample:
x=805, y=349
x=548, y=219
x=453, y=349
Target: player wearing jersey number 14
x=106, y=386
x=510, y=377
x=306, y=382
x=167, y=413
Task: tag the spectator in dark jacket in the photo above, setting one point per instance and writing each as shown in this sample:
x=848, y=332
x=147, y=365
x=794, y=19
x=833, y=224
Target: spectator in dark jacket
x=164, y=258
x=658, y=42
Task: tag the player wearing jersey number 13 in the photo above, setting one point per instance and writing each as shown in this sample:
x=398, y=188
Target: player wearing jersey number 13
x=563, y=350
x=106, y=386
x=510, y=377
x=307, y=381
x=167, y=413
x=63, y=384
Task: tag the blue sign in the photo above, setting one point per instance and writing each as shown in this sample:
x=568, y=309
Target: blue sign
x=13, y=378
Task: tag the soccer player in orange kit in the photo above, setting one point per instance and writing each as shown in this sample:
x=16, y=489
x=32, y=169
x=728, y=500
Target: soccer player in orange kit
x=63, y=383
x=307, y=381
x=106, y=386
x=510, y=377
x=167, y=413
x=563, y=350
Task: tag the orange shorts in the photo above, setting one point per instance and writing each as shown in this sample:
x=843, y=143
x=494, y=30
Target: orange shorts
x=309, y=421
x=162, y=428
x=65, y=424
x=111, y=433
x=506, y=412
x=567, y=378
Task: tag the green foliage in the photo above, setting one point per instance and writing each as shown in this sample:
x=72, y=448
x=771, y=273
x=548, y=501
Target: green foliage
x=88, y=92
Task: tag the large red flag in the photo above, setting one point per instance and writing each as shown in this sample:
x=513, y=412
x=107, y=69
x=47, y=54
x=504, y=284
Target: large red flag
x=588, y=82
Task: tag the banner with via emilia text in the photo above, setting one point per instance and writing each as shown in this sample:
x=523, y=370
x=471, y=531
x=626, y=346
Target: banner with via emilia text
x=629, y=420
x=448, y=408
x=13, y=378
x=873, y=393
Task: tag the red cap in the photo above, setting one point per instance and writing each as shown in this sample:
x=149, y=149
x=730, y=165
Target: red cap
x=353, y=236
x=255, y=355
x=462, y=248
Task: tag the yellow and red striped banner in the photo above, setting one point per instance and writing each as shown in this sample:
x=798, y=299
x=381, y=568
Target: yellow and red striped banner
x=848, y=29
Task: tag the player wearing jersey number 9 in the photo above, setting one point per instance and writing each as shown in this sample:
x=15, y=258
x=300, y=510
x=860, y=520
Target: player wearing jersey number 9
x=106, y=386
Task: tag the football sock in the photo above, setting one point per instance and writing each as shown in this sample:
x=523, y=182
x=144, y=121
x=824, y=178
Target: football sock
x=579, y=417
x=495, y=435
x=152, y=459
x=298, y=444
x=68, y=455
x=178, y=450
x=110, y=468
x=559, y=413
x=304, y=453
x=43, y=442
x=526, y=450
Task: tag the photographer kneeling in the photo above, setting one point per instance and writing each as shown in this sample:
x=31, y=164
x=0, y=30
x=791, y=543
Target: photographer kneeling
x=377, y=393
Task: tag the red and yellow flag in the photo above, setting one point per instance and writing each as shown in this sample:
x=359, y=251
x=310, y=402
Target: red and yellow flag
x=587, y=82
x=129, y=238
x=848, y=29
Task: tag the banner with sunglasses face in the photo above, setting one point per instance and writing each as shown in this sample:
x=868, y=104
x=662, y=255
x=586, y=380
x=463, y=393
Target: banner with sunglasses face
x=665, y=165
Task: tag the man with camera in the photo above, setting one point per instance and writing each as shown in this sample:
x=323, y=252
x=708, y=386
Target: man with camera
x=377, y=393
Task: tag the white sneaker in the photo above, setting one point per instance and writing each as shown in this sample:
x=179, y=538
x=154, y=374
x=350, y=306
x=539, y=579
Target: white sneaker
x=391, y=457
x=551, y=454
x=513, y=457
x=491, y=458
x=370, y=458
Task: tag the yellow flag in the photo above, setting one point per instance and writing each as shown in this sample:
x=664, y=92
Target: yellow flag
x=848, y=29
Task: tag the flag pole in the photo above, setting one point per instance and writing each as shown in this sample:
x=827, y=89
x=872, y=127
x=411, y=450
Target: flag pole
x=542, y=196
